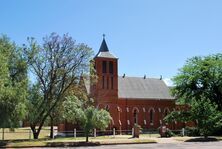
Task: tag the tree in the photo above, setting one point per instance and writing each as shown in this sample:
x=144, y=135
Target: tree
x=56, y=65
x=89, y=118
x=207, y=116
x=200, y=77
x=203, y=112
x=13, y=84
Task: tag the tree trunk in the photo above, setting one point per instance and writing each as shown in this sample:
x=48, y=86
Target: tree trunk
x=51, y=127
x=87, y=137
x=35, y=133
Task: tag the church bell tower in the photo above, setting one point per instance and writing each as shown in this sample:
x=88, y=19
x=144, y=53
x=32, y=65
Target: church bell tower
x=106, y=66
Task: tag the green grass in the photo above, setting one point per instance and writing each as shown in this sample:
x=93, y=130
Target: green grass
x=22, y=133
x=70, y=141
x=150, y=135
x=219, y=138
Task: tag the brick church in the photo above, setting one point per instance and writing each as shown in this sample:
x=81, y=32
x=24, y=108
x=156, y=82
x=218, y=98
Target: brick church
x=130, y=100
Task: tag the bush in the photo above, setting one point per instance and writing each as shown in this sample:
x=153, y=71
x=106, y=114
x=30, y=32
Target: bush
x=169, y=133
x=192, y=131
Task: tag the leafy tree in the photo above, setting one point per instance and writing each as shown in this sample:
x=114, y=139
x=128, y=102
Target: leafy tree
x=89, y=118
x=56, y=65
x=207, y=116
x=203, y=112
x=13, y=84
x=200, y=77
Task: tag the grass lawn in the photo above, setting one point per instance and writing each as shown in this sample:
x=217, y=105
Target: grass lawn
x=70, y=141
x=22, y=133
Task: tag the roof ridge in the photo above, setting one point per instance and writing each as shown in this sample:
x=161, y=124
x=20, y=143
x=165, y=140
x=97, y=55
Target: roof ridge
x=138, y=77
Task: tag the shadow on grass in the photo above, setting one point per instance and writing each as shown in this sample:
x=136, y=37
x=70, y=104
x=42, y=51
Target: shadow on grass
x=202, y=140
x=71, y=144
x=3, y=143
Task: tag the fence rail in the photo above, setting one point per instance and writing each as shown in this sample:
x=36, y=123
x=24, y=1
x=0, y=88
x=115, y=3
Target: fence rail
x=26, y=133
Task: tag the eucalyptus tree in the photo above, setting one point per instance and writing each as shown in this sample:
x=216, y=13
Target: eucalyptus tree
x=56, y=65
x=13, y=84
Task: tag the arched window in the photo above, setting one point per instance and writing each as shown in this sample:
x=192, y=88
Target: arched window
x=166, y=111
x=151, y=116
x=107, y=108
x=135, y=116
x=104, y=66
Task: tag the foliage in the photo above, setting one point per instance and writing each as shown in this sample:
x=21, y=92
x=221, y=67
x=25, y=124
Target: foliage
x=203, y=112
x=200, y=77
x=57, y=64
x=181, y=116
x=207, y=116
x=89, y=117
x=169, y=133
x=192, y=131
x=13, y=84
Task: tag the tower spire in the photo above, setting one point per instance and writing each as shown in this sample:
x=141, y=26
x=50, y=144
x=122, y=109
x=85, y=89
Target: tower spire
x=103, y=50
x=103, y=47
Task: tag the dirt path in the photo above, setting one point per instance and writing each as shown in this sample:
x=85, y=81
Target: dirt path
x=165, y=140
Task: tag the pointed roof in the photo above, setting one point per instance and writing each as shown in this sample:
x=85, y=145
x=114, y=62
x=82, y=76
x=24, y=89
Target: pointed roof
x=104, y=50
x=103, y=47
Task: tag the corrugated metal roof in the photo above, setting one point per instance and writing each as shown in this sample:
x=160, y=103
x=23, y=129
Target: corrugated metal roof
x=105, y=54
x=140, y=88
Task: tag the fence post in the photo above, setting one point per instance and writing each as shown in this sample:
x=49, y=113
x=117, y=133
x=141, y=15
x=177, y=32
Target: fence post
x=182, y=131
x=94, y=132
x=3, y=133
x=74, y=133
x=132, y=132
x=30, y=134
x=114, y=132
x=53, y=135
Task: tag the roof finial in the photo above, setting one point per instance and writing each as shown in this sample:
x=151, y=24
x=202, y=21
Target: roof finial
x=104, y=36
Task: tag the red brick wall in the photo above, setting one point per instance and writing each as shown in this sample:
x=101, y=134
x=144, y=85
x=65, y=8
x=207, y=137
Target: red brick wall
x=103, y=94
x=119, y=112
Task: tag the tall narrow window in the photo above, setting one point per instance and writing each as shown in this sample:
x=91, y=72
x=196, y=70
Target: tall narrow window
x=104, y=66
x=151, y=116
x=111, y=82
x=111, y=67
x=165, y=112
x=107, y=84
x=107, y=108
x=135, y=116
x=103, y=82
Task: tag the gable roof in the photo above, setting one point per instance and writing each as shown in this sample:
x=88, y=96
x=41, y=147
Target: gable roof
x=140, y=88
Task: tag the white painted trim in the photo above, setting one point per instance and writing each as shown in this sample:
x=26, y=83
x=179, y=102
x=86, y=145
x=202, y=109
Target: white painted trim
x=151, y=108
x=128, y=122
x=144, y=110
x=135, y=108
